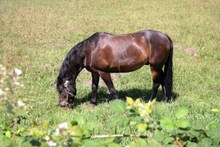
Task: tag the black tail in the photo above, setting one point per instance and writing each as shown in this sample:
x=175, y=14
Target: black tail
x=168, y=70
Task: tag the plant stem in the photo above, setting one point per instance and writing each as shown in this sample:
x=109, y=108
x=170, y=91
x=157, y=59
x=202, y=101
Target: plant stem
x=15, y=126
x=118, y=136
x=15, y=115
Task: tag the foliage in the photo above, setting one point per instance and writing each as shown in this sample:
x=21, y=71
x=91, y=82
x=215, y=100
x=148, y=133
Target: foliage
x=168, y=131
x=175, y=130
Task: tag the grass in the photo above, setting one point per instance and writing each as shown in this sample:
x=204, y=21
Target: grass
x=36, y=36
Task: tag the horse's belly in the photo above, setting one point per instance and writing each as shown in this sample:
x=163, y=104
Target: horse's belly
x=121, y=68
x=120, y=65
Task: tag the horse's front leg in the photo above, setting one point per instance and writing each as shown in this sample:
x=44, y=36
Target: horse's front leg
x=108, y=81
x=95, y=84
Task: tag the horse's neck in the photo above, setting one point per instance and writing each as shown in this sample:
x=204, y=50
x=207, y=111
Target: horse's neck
x=73, y=63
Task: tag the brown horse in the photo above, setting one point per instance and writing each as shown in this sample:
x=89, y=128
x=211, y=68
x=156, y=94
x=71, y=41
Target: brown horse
x=104, y=53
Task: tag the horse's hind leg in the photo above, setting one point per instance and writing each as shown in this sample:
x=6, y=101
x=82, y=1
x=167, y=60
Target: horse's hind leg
x=108, y=81
x=95, y=84
x=157, y=76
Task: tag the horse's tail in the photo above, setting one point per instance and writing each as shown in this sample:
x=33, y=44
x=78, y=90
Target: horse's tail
x=168, y=70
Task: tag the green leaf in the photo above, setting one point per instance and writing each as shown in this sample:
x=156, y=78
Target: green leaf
x=132, y=123
x=168, y=139
x=6, y=142
x=182, y=112
x=120, y=121
x=159, y=136
x=108, y=141
x=80, y=120
x=20, y=130
x=213, y=131
x=3, y=126
x=166, y=120
x=129, y=100
x=142, y=127
x=92, y=143
x=167, y=124
x=76, y=131
x=8, y=134
x=117, y=106
x=206, y=142
x=35, y=142
x=192, y=144
x=138, y=143
x=91, y=125
x=153, y=143
x=113, y=144
x=182, y=124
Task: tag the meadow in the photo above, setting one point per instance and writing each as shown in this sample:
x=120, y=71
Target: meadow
x=36, y=36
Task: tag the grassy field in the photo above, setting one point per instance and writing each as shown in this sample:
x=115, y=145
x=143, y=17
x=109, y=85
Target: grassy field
x=36, y=36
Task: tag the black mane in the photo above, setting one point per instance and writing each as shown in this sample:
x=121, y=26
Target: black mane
x=72, y=60
x=68, y=64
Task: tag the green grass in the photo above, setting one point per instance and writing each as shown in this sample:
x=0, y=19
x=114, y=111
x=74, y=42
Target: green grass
x=36, y=36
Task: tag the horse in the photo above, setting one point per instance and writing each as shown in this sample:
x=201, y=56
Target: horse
x=104, y=53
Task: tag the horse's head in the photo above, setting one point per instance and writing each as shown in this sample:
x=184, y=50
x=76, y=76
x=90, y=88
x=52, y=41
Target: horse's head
x=69, y=70
x=67, y=92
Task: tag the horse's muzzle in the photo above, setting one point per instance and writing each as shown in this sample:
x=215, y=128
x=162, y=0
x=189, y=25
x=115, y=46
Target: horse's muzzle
x=66, y=103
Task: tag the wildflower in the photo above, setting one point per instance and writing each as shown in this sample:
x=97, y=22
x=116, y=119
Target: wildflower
x=1, y=92
x=21, y=104
x=63, y=126
x=51, y=143
x=47, y=138
x=2, y=95
x=17, y=72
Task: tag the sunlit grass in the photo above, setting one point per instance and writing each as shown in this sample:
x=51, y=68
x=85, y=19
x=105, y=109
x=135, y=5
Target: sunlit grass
x=36, y=35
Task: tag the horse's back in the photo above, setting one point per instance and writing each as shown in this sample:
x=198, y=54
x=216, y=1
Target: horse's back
x=127, y=52
x=118, y=53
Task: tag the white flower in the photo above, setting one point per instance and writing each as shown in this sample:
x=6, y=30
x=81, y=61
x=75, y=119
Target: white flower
x=1, y=92
x=17, y=72
x=2, y=95
x=51, y=143
x=22, y=85
x=63, y=126
x=3, y=70
x=141, y=105
x=47, y=138
x=21, y=104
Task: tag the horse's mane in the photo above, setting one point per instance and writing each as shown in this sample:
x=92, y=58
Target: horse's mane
x=68, y=62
